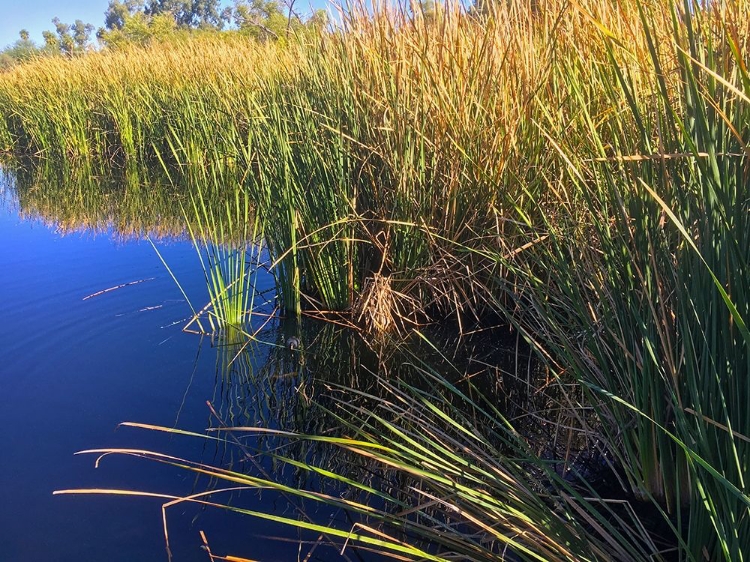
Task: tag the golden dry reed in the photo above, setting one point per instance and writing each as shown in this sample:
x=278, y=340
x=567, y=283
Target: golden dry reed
x=377, y=151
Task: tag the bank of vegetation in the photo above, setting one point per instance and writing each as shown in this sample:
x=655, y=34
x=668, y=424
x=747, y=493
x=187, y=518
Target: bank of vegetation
x=578, y=169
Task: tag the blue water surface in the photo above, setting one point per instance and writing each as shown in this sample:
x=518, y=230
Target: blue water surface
x=72, y=368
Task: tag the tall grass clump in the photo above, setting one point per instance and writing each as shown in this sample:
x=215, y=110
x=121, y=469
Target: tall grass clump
x=230, y=250
x=641, y=291
x=126, y=106
x=399, y=140
x=378, y=154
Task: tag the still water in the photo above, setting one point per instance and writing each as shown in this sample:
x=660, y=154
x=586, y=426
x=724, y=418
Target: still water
x=92, y=336
x=72, y=368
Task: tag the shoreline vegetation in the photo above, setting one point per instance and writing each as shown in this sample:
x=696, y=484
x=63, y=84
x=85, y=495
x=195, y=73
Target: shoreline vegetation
x=578, y=169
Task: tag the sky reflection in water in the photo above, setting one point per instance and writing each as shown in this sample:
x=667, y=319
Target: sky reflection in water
x=72, y=369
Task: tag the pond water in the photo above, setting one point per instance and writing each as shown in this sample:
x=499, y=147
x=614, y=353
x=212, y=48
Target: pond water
x=72, y=368
x=93, y=336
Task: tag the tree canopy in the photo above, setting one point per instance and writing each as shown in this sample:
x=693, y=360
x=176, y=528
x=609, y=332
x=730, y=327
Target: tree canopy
x=142, y=21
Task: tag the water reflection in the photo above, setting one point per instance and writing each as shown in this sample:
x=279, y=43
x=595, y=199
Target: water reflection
x=114, y=201
x=271, y=374
x=265, y=382
x=76, y=200
x=324, y=386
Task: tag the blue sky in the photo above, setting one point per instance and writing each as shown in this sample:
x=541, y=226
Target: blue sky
x=36, y=15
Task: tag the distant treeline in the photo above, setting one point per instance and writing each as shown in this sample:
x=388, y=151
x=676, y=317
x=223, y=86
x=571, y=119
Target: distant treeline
x=139, y=22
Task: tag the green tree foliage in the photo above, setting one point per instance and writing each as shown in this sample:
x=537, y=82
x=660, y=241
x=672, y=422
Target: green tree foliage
x=188, y=13
x=271, y=19
x=81, y=34
x=139, y=28
x=141, y=21
x=317, y=21
x=65, y=39
x=118, y=12
x=51, y=43
x=70, y=39
x=23, y=49
x=262, y=19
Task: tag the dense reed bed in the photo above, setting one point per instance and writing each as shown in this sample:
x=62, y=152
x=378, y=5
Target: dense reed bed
x=376, y=153
x=579, y=170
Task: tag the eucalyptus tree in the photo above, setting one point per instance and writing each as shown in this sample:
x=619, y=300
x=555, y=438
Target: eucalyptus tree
x=189, y=13
x=71, y=38
x=262, y=19
x=23, y=49
x=119, y=11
